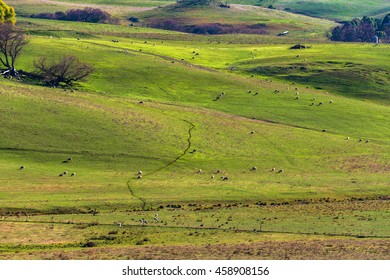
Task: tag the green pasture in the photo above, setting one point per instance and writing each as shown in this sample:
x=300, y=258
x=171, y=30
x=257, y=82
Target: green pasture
x=272, y=21
x=327, y=9
x=147, y=3
x=331, y=9
x=313, y=175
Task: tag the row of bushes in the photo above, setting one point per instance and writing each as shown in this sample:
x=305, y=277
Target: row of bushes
x=207, y=28
x=362, y=30
x=84, y=15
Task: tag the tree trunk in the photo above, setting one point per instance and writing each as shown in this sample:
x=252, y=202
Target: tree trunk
x=10, y=73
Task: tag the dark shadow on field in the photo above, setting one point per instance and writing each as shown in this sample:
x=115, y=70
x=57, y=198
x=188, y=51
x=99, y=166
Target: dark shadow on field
x=348, y=79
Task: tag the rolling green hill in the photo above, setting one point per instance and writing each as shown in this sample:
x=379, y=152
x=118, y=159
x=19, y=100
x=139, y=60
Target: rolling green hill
x=300, y=174
x=330, y=9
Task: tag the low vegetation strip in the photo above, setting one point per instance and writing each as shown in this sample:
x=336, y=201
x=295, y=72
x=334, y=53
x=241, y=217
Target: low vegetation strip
x=85, y=15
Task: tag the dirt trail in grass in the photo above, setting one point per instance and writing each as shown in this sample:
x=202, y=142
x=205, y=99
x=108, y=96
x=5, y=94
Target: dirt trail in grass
x=185, y=151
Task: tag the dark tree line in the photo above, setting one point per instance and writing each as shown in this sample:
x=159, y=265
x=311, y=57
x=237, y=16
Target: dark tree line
x=207, y=28
x=195, y=2
x=83, y=15
x=362, y=30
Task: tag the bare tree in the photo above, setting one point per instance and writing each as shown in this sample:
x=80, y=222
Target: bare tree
x=12, y=42
x=67, y=71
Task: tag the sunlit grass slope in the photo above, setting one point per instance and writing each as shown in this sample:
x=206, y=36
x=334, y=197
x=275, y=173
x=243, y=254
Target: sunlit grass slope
x=331, y=9
x=299, y=178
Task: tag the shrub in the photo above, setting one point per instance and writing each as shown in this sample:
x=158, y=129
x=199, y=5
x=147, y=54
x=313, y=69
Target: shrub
x=93, y=15
x=66, y=71
x=89, y=244
x=7, y=13
x=133, y=19
x=362, y=30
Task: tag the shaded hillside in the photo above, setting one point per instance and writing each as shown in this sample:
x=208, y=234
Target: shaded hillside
x=236, y=19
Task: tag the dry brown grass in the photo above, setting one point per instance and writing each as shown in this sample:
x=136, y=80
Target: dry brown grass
x=332, y=248
x=114, y=9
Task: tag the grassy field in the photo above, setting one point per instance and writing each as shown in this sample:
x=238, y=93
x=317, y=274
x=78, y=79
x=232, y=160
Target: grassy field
x=332, y=190
x=327, y=9
x=330, y=9
x=117, y=8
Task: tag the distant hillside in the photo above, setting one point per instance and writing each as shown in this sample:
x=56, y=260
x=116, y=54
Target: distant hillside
x=330, y=9
x=244, y=19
